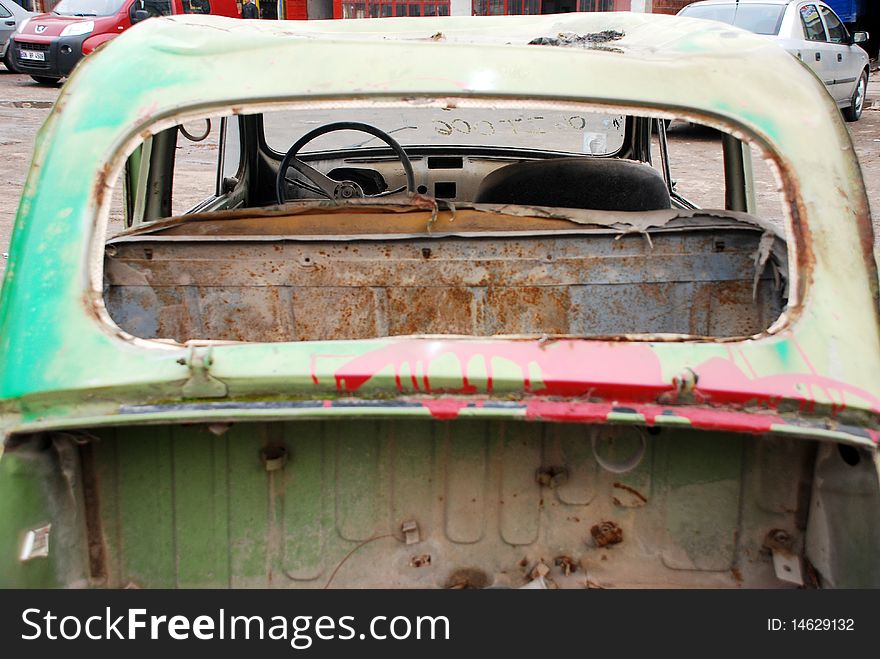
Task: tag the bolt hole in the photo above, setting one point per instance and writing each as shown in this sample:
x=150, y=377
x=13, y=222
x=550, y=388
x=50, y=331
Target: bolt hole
x=273, y=457
x=426, y=252
x=849, y=454
x=422, y=189
x=273, y=452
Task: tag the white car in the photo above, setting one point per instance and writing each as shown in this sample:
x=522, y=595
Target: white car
x=809, y=30
x=11, y=17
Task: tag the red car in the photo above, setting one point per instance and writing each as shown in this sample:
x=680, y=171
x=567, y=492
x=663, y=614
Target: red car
x=48, y=46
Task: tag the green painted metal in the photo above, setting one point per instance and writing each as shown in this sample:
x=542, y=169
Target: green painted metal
x=25, y=501
x=63, y=364
x=181, y=507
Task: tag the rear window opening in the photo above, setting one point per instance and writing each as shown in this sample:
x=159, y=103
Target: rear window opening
x=613, y=225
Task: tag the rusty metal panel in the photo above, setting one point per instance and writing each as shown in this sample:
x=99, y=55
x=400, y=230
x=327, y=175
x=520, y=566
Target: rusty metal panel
x=699, y=283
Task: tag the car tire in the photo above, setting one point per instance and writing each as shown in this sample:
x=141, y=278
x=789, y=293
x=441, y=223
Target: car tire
x=45, y=80
x=857, y=103
x=7, y=60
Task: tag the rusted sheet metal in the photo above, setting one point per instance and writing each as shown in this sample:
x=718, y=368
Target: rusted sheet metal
x=66, y=363
x=416, y=214
x=698, y=283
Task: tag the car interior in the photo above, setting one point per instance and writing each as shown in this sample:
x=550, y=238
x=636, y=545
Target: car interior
x=550, y=229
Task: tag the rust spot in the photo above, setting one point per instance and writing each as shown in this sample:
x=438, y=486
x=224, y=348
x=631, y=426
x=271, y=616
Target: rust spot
x=540, y=570
x=737, y=575
x=92, y=505
x=467, y=578
x=811, y=575
x=101, y=185
x=606, y=533
x=421, y=560
x=631, y=490
x=566, y=564
x=778, y=539
x=551, y=476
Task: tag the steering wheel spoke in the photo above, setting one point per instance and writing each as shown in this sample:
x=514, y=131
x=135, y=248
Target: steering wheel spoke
x=323, y=185
x=307, y=186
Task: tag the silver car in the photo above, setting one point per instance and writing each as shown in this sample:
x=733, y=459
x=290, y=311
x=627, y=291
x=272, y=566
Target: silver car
x=12, y=15
x=809, y=30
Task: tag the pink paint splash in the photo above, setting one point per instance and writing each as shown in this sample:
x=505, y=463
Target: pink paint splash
x=720, y=381
x=445, y=408
x=623, y=374
x=567, y=368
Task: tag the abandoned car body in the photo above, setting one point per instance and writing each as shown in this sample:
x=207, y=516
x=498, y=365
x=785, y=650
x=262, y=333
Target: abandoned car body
x=480, y=340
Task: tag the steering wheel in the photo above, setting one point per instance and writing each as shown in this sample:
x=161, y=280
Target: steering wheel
x=324, y=185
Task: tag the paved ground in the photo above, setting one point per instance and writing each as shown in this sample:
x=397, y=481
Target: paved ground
x=696, y=156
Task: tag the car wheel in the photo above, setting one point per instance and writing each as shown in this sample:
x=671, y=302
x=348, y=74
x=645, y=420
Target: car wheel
x=45, y=80
x=854, y=111
x=7, y=60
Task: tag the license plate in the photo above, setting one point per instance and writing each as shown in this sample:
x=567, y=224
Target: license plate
x=33, y=55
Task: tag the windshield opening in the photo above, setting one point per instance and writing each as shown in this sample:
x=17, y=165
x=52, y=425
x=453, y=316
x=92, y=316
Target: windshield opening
x=591, y=133
x=760, y=19
x=88, y=7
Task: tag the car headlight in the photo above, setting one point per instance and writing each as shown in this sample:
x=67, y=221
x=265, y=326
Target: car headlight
x=22, y=25
x=76, y=29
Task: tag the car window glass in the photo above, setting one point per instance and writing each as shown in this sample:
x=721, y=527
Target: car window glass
x=760, y=19
x=813, y=28
x=590, y=133
x=836, y=32
x=196, y=7
x=88, y=7
x=154, y=8
x=4, y=12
